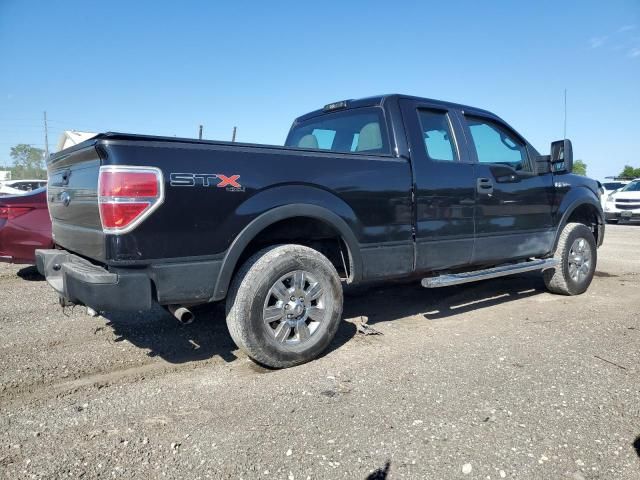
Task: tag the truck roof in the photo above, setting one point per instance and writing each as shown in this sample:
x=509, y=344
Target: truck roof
x=379, y=101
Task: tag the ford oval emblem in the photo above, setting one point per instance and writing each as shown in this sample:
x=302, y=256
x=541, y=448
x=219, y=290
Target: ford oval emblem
x=65, y=198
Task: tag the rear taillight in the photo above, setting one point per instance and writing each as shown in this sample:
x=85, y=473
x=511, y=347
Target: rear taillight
x=9, y=212
x=128, y=195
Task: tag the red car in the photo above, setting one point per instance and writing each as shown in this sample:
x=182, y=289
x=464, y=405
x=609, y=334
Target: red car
x=24, y=226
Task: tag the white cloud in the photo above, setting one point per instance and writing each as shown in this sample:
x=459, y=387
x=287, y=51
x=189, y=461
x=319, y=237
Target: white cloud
x=626, y=28
x=597, y=42
x=622, y=39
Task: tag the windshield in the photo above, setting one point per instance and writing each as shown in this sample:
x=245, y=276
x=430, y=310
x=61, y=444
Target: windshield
x=632, y=187
x=26, y=185
x=15, y=192
x=613, y=185
x=359, y=130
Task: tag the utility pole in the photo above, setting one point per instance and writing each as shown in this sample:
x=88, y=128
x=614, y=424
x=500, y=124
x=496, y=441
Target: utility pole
x=200, y=133
x=233, y=136
x=46, y=137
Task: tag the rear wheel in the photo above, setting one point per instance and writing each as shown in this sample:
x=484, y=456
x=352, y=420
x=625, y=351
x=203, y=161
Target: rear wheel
x=285, y=305
x=577, y=254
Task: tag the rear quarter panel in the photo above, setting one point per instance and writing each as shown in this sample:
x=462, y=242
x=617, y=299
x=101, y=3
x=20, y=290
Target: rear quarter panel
x=370, y=193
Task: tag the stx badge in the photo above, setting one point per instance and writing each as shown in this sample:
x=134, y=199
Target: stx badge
x=230, y=183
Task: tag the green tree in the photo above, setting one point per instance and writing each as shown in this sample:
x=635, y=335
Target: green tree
x=579, y=167
x=630, y=172
x=28, y=162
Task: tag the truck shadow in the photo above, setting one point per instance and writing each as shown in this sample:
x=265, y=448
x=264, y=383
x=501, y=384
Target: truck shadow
x=207, y=337
x=30, y=274
x=380, y=473
x=163, y=336
x=393, y=301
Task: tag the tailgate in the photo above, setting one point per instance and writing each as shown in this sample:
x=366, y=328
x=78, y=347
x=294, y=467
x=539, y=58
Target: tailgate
x=73, y=202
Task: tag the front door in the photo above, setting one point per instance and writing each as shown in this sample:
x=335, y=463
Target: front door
x=514, y=205
x=444, y=186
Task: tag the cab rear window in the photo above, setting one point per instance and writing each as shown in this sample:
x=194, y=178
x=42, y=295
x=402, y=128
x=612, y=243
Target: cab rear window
x=359, y=130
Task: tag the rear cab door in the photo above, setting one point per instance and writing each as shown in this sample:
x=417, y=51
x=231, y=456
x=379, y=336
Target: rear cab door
x=444, y=185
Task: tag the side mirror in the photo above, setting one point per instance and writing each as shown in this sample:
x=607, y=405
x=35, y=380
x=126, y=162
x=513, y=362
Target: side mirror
x=561, y=156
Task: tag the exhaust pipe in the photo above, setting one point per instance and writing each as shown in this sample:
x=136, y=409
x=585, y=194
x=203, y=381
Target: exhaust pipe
x=182, y=314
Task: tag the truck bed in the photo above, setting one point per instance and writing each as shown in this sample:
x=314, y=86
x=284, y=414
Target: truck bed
x=370, y=192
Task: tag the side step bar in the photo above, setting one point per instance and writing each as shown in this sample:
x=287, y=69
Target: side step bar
x=501, y=271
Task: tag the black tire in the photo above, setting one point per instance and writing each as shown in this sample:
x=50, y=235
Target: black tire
x=613, y=222
x=251, y=291
x=559, y=280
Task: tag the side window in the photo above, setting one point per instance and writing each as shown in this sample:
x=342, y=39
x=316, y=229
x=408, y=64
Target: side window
x=495, y=144
x=436, y=132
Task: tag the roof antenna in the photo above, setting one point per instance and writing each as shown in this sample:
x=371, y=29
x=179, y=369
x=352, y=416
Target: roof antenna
x=565, y=113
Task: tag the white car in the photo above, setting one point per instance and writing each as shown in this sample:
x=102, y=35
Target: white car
x=610, y=186
x=623, y=204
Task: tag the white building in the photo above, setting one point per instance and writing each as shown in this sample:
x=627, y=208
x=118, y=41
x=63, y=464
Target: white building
x=69, y=138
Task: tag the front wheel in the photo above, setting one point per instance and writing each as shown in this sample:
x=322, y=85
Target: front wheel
x=577, y=254
x=285, y=305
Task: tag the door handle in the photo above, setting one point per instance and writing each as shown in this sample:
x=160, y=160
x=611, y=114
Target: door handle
x=484, y=186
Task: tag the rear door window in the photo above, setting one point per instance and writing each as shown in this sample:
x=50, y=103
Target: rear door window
x=436, y=133
x=361, y=130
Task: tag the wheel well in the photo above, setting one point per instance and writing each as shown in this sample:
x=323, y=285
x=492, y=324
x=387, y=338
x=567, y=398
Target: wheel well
x=306, y=231
x=588, y=215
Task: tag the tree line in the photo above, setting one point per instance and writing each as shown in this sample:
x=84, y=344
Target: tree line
x=630, y=172
x=28, y=162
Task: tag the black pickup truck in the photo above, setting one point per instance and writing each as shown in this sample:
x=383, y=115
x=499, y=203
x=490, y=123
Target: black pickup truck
x=377, y=188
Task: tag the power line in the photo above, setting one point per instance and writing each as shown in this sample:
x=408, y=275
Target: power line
x=24, y=125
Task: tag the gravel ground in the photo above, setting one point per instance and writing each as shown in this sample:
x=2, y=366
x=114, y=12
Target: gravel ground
x=485, y=381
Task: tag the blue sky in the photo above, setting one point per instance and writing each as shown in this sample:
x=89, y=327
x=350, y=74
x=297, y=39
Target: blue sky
x=166, y=67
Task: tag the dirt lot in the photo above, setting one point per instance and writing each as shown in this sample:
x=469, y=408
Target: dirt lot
x=493, y=380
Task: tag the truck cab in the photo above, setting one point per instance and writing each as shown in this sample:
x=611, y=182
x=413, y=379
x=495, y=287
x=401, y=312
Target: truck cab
x=481, y=193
